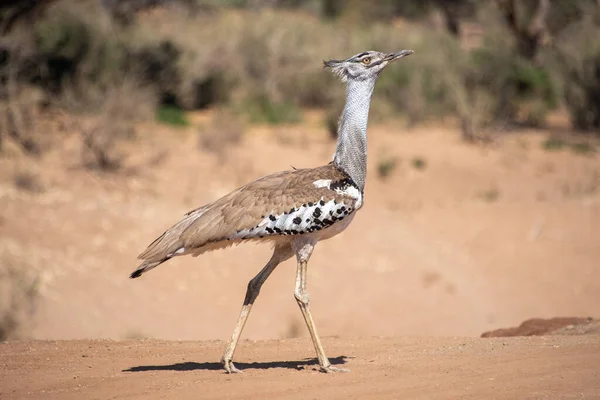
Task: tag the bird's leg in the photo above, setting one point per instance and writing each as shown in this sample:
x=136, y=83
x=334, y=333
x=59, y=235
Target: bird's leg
x=280, y=254
x=303, y=299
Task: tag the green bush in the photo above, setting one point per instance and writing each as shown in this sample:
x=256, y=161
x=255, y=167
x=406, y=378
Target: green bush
x=172, y=115
x=553, y=143
x=523, y=92
x=583, y=148
x=419, y=163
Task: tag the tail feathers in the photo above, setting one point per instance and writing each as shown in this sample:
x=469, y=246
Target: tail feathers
x=168, y=245
x=145, y=267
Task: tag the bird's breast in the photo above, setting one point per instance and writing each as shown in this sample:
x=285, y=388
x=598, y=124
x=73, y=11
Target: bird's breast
x=335, y=228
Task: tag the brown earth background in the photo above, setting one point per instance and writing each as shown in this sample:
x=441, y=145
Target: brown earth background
x=480, y=238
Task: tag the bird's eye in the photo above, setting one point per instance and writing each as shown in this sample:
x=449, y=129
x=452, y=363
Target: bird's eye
x=366, y=60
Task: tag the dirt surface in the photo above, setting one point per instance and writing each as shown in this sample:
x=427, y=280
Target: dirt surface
x=468, y=240
x=455, y=240
x=540, y=326
x=554, y=367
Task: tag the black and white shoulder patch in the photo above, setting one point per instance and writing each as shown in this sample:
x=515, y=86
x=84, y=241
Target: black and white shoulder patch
x=344, y=187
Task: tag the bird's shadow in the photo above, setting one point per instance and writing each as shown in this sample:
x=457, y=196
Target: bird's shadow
x=215, y=366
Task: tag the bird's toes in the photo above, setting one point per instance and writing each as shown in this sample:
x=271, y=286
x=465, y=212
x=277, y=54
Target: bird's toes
x=331, y=369
x=230, y=367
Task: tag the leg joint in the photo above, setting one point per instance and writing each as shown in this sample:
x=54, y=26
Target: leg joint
x=252, y=291
x=302, y=297
x=254, y=285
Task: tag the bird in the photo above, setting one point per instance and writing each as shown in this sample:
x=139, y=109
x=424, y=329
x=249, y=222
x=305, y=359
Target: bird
x=293, y=210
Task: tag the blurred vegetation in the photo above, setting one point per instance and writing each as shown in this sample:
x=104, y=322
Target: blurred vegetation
x=419, y=163
x=19, y=292
x=171, y=115
x=386, y=166
x=553, y=143
x=489, y=64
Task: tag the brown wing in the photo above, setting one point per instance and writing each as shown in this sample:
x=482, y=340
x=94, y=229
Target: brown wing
x=239, y=214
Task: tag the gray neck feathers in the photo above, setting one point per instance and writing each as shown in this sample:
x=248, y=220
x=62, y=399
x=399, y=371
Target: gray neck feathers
x=351, y=151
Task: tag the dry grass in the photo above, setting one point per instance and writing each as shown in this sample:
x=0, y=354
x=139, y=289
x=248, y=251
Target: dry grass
x=20, y=105
x=386, y=166
x=29, y=181
x=109, y=115
x=577, y=62
x=18, y=297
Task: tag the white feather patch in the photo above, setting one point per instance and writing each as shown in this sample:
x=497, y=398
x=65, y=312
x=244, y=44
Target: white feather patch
x=177, y=252
x=353, y=192
x=321, y=183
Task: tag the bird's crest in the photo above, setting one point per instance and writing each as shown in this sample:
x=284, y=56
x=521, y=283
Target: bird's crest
x=337, y=67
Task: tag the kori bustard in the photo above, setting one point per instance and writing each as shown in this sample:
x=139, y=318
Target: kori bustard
x=292, y=209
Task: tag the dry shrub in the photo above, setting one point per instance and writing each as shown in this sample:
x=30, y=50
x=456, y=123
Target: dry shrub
x=18, y=125
x=28, y=180
x=20, y=105
x=18, y=297
x=510, y=66
x=577, y=60
x=247, y=55
x=484, y=85
x=457, y=87
x=386, y=166
x=438, y=81
x=79, y=58
x=99, y=80
x=78, y=41
x=109, y=113
x=282, y=57
x=266, y=62
x=186, y=55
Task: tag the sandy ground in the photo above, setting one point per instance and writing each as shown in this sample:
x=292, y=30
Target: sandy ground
x=480, y=238
x=553, y=367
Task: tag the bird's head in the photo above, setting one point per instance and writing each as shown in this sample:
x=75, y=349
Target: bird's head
x=365, y=65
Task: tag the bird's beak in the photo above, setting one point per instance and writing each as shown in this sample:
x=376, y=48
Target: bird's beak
x=395, y=56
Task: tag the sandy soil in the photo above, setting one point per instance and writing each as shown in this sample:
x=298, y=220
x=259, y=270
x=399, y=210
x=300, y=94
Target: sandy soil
x=553, y=367
x=482, y=237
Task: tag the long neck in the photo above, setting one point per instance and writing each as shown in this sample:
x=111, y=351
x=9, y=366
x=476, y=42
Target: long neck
x=351, y=150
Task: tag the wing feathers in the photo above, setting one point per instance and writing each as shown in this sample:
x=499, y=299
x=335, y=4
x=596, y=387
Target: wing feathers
x=243, y=210
x=167, y=244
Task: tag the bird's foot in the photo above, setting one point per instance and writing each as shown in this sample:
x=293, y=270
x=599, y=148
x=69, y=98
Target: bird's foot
x=230, y=367
x=331, y=369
